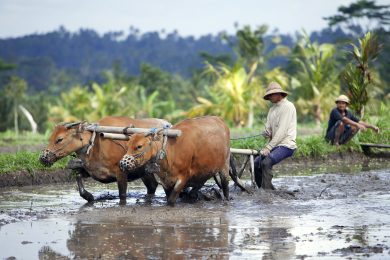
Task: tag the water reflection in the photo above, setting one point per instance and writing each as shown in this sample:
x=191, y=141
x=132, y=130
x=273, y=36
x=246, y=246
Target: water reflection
x=269, y=240
x=124, y=240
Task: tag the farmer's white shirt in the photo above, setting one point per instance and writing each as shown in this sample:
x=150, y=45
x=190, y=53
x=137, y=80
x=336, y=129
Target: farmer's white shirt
x=281, y=125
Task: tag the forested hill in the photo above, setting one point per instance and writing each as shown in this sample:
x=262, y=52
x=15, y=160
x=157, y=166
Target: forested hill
x=62, y=58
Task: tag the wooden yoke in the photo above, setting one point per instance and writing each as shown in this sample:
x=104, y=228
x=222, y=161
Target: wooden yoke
x=121, y=133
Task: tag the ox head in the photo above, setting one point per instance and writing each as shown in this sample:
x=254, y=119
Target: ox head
x=65, y=139
x=141, y=148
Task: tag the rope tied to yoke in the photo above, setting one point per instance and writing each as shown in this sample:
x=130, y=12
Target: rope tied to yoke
x=92, y=140
x=263, y=134
x=154, y=166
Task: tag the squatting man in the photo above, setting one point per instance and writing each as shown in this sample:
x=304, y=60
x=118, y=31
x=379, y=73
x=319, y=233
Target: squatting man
x=343, y=125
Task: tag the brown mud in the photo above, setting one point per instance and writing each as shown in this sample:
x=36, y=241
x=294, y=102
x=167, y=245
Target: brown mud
x=341, y=211
x=331, y=207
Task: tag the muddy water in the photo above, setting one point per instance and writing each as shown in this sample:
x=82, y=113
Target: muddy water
x=338, y=215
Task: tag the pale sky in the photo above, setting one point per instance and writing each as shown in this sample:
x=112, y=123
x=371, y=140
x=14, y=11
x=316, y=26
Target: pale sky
x=195, y=17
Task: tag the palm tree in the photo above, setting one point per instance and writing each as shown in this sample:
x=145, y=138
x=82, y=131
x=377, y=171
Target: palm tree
x=229, y=96
x=357, y=75
x=250, y=50
x=314, y=79
x=15, y=90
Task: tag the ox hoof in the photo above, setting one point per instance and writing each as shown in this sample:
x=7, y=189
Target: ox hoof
x=88, y=197
x=171, y=203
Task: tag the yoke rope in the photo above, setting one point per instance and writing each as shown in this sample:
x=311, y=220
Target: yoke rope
x=246, y=137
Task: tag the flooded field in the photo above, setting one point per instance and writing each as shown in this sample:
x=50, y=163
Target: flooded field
x=333, y=215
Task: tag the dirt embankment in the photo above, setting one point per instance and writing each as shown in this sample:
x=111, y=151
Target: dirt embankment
x=24, y=178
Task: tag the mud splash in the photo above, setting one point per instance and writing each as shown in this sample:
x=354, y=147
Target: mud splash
x=329, y=215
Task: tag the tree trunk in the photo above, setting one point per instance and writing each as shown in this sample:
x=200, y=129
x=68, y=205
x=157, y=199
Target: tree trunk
x=29, y=118
x=16, y=126
x=252, y=71
x=249, y=80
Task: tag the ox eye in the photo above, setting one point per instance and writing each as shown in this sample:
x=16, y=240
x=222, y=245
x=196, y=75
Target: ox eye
x=139, y=147
x=59, y=140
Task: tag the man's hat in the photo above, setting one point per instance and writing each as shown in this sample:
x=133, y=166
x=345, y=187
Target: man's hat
x=273, y=88
x=342, y=98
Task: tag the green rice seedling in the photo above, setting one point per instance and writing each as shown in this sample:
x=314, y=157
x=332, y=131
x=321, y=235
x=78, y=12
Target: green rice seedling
x=26, y=161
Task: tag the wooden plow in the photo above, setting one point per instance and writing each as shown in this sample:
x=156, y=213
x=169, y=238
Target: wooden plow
x=250, y=157
x=122, y=133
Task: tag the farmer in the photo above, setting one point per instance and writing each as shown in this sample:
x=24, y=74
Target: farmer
x=343, y=125
x=281, y=129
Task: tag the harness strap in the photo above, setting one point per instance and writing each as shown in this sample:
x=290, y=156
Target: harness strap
x=161, y=154
x=92, y=140
x=127, y=128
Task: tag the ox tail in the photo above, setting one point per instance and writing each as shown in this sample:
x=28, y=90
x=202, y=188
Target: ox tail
x=233, y=174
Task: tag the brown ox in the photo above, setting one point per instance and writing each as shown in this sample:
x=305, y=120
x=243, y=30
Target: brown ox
x=201, y=152
x=102, y=161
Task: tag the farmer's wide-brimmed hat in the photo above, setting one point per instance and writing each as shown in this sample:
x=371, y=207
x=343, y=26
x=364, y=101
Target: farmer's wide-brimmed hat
x=273, y=88
x=343, y=98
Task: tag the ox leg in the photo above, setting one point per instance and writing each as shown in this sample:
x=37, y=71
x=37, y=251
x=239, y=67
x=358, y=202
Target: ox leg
x=179, y=186
x=225, y=183
x=217, y=179
x=168, y=192
x=150, y=183
x=83, y=192
x=122, y=188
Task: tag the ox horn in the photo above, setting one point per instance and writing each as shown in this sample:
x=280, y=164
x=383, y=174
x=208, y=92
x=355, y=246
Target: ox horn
x=69, y=125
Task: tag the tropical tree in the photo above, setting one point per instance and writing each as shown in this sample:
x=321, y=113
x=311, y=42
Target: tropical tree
x=363, y=16
x=15, y=90
x=71, y=106
x=314, y=79
x=231, y=94
x=357, y=76
x=250, y=48
x=359, y=12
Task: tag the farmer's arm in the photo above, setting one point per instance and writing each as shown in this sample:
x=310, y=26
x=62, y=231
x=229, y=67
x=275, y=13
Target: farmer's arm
x=373, y=127
x=348, y=121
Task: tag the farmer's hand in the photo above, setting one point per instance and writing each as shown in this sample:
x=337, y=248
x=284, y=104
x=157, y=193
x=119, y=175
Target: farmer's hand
x=361, y=127
x=264, y=152
x=376, y=129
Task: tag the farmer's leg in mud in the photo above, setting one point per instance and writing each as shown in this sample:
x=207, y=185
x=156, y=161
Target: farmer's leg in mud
x=258, y=171
x=277, y=154
x=266, y=174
